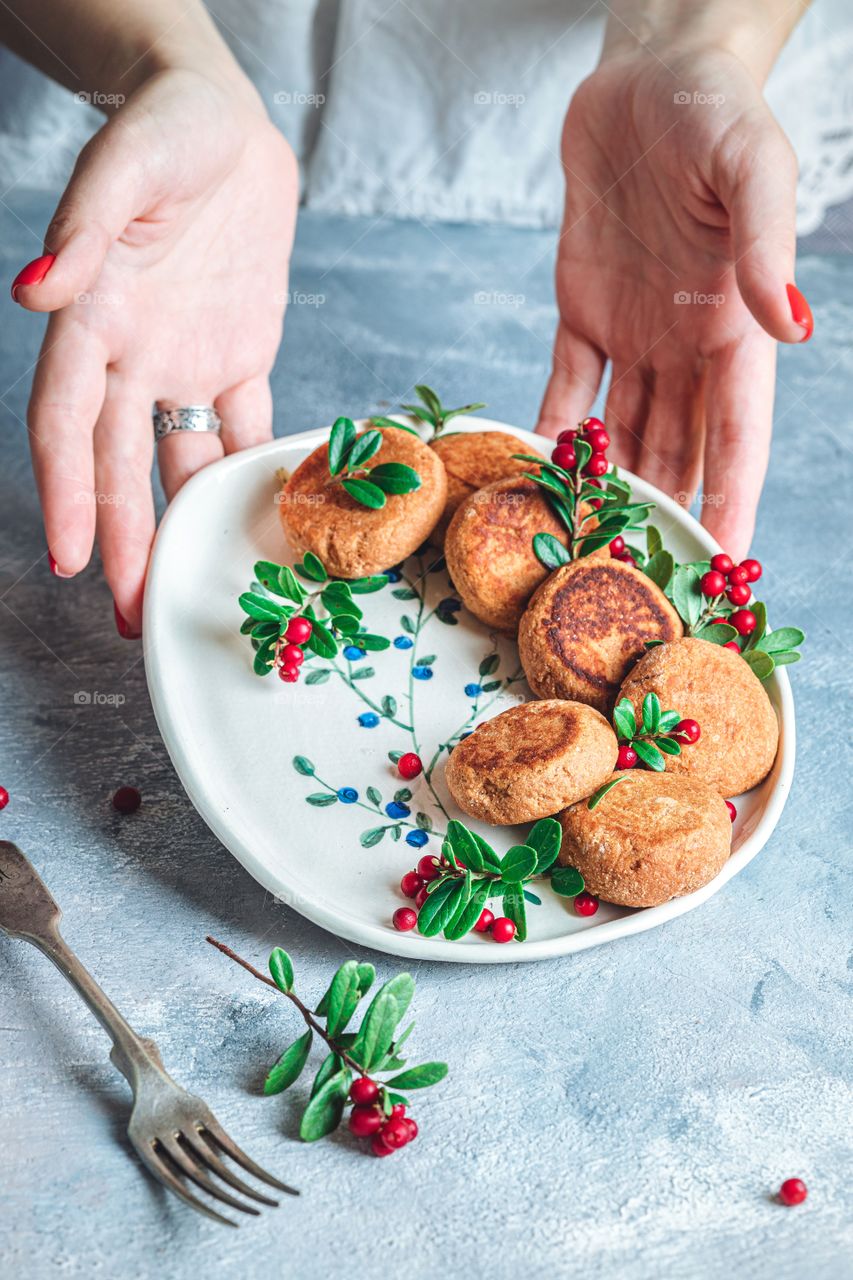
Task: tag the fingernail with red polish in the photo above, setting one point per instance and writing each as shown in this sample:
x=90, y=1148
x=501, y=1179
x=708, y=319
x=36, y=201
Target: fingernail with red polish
x=800, y=311
x=33, y=273
x=55, y=569
x=123, y=626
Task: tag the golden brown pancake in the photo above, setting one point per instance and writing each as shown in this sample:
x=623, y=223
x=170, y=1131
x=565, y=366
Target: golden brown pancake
x=715, y=687
x=653, y=837
x=489, y=550
x=473, y=459
x=354, y=541
x=531, y=761
x=586, y=626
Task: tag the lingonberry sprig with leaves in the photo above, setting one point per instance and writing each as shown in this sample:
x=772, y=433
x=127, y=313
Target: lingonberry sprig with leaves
x=285, y=619
x=588, y=497
x=349, y=1073
x=659, y=733
x=430, y=410
x=349, y=454
x=451, y=892
x=712, y=596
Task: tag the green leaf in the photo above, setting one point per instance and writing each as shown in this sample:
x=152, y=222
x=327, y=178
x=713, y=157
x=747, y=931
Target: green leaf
x=545, y=838
x=289, y=1066
x=761, y=664
x=346, y=623
x=304, y=766
x=518, y=863
x=320, y=676
x=366, y=975
x=549, y=551
x=650, y=755
x=421, y=1077
x=464, y=845
x=430, y=399
x=659, y=568
x=395, y=477
x=597, y=796
x=687, y=594
x=321, y=641
x=377, y=1029
x=624, y=719
x=753, y=640
x=379, y=421
x=783, y=639
x=322, y=799
x=654, y=542
x=312, y=567
x=489, y=664
x=651, y=713
x=669, y=746
x=490, y=859
x=513, y=905
x=247, y=625
x=344, y=995
x=341, y=440
x=363, y=449
x=583, y=453
x=464, y=922
x=466, y=408
x=329, y=1067
x=372, y=643
x=717, y=633
x=260, y=607
x=324, y=1111
x=365, y=586
x=368, y=839
x=365, y=493
x=281, y=968
x=438, y=908
x=668, y=721
x=785, y=659
x=460, y=901
x=267, y=574
x=263, y=659
x=417, y=411
x=567, y=882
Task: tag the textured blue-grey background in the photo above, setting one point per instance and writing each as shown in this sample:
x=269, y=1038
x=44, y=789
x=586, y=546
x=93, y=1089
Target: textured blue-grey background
x=628, y=1111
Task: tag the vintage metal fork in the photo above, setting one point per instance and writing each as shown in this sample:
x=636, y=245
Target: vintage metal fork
x=175, y=1134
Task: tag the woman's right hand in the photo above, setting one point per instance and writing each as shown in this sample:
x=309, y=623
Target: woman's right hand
x=169, y=281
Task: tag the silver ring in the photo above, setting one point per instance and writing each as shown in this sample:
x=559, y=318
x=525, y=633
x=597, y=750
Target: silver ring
x=191, y=417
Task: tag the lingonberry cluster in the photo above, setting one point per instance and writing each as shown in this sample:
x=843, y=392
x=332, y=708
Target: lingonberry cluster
x=290, y=653
x=387, y=1131
x=594, y=433
x=414, y=885
x=730, y=581
x=660, y=733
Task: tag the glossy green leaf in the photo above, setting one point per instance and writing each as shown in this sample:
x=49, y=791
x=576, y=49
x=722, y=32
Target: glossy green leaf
x=567, y=882
x=651, y=713
x=464, y=922
x=365, y=493
x=597, y=796
x=717, y=633
x=281, y=968
x=312, y=567
x=421, y=1077
x=660, y=568
x=439, y=907
x=289, y=1066
x=549, y=551
x=464, y=846
x=365, y=586
x=344, y=995
x=545, y=838
x=624, y=719
x=669, y=746
x=782, y=639
x=260, y=607
x=650, y=755
x=341, y=440
x=654, y=541
x=395, y=477
x=515, y=909
x=324, y=1111
x=687, y=593
x=760, y=663
x=518, y=863
x=364, y=448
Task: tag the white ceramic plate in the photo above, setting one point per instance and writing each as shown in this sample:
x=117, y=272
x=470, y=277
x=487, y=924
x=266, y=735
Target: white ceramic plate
x=233, y=736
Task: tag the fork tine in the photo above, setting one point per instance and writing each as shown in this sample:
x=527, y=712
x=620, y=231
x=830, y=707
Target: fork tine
x=164, y=1174
x=202, y=1149
x=187, y=1166
x=212, y=1127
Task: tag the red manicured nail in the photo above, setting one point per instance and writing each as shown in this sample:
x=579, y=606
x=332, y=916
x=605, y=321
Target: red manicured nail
x=33, y=273
x=800, y=311
x=55, y=569
x=123, y=626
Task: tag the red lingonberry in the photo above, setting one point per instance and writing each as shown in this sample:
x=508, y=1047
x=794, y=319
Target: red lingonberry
x=409, y=765
x=398, y=1110
x=626, y=758
x=125, y=800
x=395, y=1134
x=793, y=1191
x=503, y=929
x=722, y=563
x=404, y=919
x=586, y=904
x=293, y=655
x=687, y=732
x=566, y=437
x=752, y=569
x=590, y=424
x=596, y=466
x=379, y=1146
x=564, y=456
x=363, y=1091
x=597, y=438
x=719, y=622
x=411, y=884
x=627, y=558
x=298, y=630
x=365, y=1121
x=421, y=897
x=733, y=645
x=412, y=1127
x=596, y=503
x=4, y=797
x=738, y=594
x=593, y=483
x=487, y=919
x=744, y=621
x=712, y=584
x=737, y=576
x=617, y=546
x=428, y=868
x=732, y=810
x=289, y=673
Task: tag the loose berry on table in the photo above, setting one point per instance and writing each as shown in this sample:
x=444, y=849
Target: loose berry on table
x=125, y=800
x=712, y=584
x=364, y=1091
x=793, y=1191
x=298, y=630
x=409, y=765
x=4, y=797
x=485, y=922
x=411, y=884
x=404, y=919
x=503, y=929
x=586, y=904
x=687, y=732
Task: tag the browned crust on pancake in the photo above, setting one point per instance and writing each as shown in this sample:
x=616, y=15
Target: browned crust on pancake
x=586, y=626
x=473, y=459
x=715, y=687
x=531, y=761
x=653, y=837
x=351, y=540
